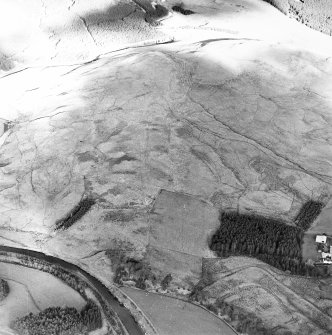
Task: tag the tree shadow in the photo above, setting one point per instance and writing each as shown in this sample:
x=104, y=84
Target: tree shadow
x=6, y=63
x=129, y=14
x=120, y=24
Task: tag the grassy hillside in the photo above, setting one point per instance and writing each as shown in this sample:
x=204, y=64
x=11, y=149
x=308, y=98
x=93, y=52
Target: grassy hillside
x=316, y=14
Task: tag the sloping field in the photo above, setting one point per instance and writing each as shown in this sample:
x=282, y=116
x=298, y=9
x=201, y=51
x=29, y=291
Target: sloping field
x=323, y=223
x=289, y=302
x=171, y=316
x=33, y=291
x=180, y=228
x=180, y=222
x=185, y=268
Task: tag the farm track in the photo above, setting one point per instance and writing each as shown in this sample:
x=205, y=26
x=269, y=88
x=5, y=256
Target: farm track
x=27, y=289
x=272, y=274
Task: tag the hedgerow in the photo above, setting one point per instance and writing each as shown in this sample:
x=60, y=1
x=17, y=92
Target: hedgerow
x=243, y=321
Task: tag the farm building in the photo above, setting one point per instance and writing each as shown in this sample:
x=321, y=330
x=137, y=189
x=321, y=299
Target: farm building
x=327, y=258
x=321, y=238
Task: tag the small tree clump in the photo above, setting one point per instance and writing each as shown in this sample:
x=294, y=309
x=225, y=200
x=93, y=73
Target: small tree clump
x=308, y=213
x=60, y=321
x=4, y=289
x=166, y=281
x=182, y=11
x=75, y=214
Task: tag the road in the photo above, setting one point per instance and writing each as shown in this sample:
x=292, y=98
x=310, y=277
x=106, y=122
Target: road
x=124, y=315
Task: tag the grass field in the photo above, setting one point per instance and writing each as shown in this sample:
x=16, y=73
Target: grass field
x=323, y=223
x=180, y=222
x=309, y=247
x=185, y=268
x=172, y=316
x=33, y=291
x=180, y=228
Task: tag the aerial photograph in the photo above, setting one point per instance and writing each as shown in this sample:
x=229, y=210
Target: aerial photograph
x=165, y=167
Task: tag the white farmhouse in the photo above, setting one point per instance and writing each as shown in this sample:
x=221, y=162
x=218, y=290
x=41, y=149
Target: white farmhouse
x=326, y=258
x=321, y=238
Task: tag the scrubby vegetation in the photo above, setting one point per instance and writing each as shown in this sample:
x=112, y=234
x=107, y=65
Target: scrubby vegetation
x=60, y=321
x=4, y=289
x=75, y=214
x=183, y=11
x=308, y=213
x=166, y=281
x=316, y=14
x=128, y=268
x=244, y=322
x=159, y=11
x=134, y=270
x=266, y=239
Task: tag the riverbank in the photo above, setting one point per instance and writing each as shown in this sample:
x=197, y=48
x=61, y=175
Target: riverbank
x=114, y=310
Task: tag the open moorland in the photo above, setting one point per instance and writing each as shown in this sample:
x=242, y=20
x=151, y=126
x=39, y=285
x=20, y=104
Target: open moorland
x=130, y=128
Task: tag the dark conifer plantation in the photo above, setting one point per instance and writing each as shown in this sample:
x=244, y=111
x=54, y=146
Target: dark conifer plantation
x=308, y=213
x=269, y=240
x=60, y=321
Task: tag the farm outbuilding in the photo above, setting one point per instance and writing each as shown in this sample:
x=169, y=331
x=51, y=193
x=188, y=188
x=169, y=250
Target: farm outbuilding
x=321, y=238
x=327, y=258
